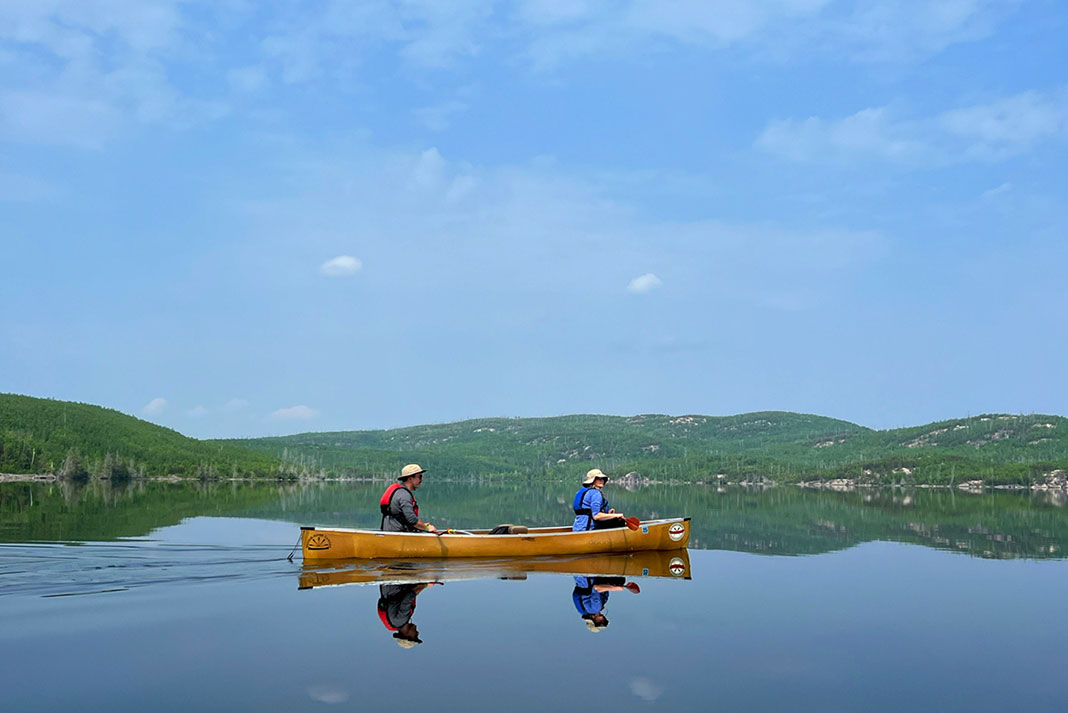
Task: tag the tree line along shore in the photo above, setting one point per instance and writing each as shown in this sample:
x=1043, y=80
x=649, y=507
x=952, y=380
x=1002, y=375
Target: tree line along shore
x=61, y=439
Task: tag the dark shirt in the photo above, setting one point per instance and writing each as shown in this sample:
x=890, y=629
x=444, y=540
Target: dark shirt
x=401, y=517
x=398, y=602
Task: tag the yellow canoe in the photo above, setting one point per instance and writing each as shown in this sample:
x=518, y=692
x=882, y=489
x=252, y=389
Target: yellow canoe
x=327, y=544
x=669, y=564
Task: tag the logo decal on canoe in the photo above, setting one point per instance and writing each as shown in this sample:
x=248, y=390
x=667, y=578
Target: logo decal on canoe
x=677, y=567
x=645, y=529
x=676, y=531
x=318, y=541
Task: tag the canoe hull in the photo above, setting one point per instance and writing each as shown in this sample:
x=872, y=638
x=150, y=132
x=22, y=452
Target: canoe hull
x=327, y=544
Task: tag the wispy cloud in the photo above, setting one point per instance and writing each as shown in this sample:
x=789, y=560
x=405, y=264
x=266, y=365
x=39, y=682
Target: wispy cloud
x=235, y=405
x=79, y=72
x=341, y=266
x=19, y=188
x=987, y=132
x=438, y=117
x=644, y=283
x=457, y=222
x=997, y=191
x=155, y=406
x=864, y=31
x=197, y=412
x=645, y=689
x=299, y=412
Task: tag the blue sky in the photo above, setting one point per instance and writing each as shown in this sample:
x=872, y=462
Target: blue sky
x=241, y=218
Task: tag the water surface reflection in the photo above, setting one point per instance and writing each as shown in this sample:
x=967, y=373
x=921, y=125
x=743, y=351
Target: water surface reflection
x=593, y=579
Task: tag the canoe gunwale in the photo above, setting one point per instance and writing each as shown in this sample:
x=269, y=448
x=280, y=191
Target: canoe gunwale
x=554, y=531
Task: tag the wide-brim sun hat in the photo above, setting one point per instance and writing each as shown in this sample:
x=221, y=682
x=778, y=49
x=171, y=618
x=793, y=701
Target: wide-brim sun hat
x=409, y=470
x=595, y=627
x=593, y=475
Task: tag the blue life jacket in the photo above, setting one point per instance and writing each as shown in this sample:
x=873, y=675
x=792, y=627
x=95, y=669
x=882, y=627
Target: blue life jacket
x=578, y=503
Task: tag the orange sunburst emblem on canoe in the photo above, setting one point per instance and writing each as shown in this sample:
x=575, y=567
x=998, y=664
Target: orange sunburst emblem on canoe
x=318, y=541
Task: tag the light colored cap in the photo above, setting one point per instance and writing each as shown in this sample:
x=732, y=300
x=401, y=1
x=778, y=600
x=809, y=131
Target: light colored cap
x=593, y=475
x=407, y=643
x=594, y=626
x=409, y=470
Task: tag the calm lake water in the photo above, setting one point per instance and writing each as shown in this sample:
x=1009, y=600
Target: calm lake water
x=180, y=597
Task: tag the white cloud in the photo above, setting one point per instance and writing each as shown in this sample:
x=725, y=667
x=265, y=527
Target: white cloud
x=155, y=406
x=644, y=283
x=341, y=266
x=197, y=412
x=988, y=132
x=295, y=412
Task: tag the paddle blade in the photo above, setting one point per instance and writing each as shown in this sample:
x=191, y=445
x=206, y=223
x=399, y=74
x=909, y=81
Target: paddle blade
x=632, y=522
x=632, y=587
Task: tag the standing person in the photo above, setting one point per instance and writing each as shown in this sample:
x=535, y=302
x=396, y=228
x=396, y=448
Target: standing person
x=400, y=512
x=592, y=511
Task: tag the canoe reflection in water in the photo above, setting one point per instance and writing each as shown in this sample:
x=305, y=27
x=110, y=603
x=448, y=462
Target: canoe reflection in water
x=401, y=581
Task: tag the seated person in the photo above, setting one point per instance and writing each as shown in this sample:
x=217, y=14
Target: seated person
x=591, y=595
x=591, y=507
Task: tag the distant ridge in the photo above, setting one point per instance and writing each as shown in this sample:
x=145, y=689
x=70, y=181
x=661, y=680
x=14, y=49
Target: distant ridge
x=81, y=440
x=767, y=445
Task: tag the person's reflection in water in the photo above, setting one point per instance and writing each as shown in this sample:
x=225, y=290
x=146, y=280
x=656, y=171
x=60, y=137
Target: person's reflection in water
x=396, y=604
x=591, y=596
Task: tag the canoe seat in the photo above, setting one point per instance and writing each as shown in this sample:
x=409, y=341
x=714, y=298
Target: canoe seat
x=509, y=530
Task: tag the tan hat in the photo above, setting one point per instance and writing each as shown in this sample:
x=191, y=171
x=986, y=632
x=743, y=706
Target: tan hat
x=409, y=470
x=593, y=475
x=406, y=643
x=594, y=626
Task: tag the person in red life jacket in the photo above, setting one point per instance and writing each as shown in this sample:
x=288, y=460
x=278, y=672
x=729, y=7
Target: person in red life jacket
x=400, y=512
x=592, y=511
x=396, y=604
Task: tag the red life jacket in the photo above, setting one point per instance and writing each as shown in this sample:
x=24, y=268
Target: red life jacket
x=387, y=498
x=383, y=615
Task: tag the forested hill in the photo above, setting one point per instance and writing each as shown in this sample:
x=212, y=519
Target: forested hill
x=781, y=446
x=81, y=440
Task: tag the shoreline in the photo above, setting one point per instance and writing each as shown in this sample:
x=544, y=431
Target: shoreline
x=1056, y=484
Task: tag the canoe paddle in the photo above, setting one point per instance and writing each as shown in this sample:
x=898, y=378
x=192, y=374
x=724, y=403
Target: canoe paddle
x=632, y=522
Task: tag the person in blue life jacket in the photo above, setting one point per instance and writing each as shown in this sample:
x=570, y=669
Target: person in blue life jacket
x=590, y=597
x=400, y=512
x=592, y=511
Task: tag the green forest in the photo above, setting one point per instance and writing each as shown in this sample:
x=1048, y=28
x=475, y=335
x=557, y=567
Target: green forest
x=755, y=447
x=75, y=440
